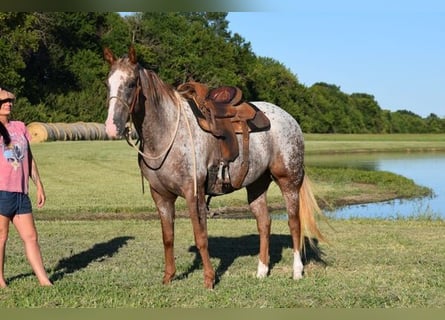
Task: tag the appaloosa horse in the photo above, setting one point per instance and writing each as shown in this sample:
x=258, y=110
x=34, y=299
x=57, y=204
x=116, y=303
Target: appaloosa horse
x=175, y=155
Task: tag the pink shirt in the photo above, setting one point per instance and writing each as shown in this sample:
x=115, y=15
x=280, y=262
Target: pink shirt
x=14, y=159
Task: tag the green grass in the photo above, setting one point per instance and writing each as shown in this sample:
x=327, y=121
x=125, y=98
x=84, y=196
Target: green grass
x=353, y=143
x=101, y=250
x=119, y=263
x=336, y=187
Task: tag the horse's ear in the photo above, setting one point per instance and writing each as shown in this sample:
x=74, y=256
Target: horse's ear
x=109, y=56
x=132, y=55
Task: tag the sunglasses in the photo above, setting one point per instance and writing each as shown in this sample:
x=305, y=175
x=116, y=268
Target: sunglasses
x=6, y=100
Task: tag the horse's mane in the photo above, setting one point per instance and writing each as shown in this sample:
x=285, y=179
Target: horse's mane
x=155, y=90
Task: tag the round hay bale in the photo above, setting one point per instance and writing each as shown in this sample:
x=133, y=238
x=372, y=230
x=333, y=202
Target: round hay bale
x=66, y=130
x=59, y=134
x=75, y=130
x=41, y=132
x=82, y=131
x=92, y=132
x=99, y=128
x=62, y=131
x=37, y=132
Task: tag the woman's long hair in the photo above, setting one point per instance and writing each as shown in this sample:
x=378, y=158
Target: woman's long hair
x=5, y=134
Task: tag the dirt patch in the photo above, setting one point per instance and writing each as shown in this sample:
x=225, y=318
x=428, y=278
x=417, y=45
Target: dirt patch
x=361, y=193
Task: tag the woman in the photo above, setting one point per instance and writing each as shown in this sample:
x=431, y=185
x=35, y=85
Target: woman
x=17, y=165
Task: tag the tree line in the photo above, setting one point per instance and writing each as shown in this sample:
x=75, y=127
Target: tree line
x=53, y=62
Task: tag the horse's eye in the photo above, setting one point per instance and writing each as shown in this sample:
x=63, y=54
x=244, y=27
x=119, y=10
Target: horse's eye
x=131, y=85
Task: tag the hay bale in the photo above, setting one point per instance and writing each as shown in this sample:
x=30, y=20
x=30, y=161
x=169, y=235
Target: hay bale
x=37, y=132
x=59, y=134
x=100, y=131
x=82, y=131
x=60, y=131
x=66, y=128
x=41, y=132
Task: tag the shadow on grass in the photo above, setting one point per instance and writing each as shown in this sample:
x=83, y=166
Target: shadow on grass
x=76, y=262
x=98, y=252
x=228, y=249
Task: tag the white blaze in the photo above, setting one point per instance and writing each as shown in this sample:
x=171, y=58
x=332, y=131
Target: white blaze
x=114, y=82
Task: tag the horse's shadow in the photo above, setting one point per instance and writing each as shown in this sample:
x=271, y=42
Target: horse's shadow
x=228, y=249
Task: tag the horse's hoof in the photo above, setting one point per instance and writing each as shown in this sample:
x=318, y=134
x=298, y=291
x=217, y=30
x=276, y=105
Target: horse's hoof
x=298, y=276
x=167, y=279
x=209, y=283
x=298, y=266
x=262, y=270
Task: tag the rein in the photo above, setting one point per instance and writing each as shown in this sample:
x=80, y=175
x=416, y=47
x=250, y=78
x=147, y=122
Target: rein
x=163, y=153
x=128, y=127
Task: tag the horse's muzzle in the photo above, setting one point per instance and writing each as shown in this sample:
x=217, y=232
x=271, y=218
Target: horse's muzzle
x=111, y=130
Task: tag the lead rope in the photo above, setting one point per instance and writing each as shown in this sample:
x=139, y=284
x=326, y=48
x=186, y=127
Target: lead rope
x=145, y=155
x=150, y=157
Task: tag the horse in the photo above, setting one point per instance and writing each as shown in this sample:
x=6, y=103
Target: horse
x=175, y=154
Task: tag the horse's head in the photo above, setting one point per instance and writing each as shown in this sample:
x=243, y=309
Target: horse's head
x=122, y=83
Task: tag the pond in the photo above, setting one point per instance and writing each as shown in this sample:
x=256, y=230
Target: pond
x=426, y=169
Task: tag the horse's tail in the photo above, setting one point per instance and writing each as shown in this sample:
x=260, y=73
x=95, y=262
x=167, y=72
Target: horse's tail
x=309, y=209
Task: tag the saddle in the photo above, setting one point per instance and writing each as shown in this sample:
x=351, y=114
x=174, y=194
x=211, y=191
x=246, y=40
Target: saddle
x=222, y=112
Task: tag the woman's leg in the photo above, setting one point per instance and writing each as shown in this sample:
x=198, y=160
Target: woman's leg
x=24, y=223
x=4, y=230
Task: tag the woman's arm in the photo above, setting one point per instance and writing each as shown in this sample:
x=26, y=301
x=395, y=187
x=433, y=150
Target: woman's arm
x=35, y=177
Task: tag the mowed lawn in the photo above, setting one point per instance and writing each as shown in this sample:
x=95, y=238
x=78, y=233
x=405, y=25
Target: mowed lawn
x=119, y=263
x=102, y=246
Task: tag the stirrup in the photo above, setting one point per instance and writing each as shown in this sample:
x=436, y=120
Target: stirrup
x=218, y=179
x=223, y=173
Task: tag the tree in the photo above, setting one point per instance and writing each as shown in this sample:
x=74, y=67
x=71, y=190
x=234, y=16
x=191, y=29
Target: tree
x=19, y=39
x=53, y=62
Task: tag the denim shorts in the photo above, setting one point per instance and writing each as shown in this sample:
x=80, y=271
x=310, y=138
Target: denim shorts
x=12, y=203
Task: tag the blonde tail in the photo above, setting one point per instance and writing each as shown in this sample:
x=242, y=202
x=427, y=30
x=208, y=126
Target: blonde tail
x=309, y=209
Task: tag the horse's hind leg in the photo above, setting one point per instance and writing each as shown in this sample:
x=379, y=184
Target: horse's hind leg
x=289, y=188
x=166, y=211
x=256, y=195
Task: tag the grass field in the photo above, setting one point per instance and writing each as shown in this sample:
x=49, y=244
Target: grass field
x=119, y=263
x=351, y=143
x=102, y=249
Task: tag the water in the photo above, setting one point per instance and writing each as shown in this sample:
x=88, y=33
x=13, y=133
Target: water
x=427, y=169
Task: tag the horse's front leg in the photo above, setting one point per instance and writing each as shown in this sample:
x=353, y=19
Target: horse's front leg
x=166, y=211
x=198, y=214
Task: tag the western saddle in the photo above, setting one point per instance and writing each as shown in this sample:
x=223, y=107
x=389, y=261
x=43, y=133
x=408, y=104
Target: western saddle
x=222, y=112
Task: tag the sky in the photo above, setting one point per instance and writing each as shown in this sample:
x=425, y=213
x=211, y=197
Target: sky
x=393, y=50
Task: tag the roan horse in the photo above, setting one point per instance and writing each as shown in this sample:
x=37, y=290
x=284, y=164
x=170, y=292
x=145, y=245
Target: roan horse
x=175, y=155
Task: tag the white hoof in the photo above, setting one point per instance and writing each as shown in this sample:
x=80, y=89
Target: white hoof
x=298, y=266
x=262, y=270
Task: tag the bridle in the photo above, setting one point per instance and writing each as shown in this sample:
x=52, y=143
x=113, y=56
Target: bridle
x=128, y=129
x=127, y=133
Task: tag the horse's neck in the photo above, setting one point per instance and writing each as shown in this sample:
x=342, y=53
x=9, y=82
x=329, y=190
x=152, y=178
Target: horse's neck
x=157, y=121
